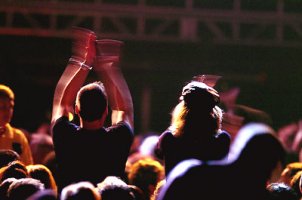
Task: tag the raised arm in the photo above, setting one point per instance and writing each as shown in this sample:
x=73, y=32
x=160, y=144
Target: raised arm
x=119, y=97
x=73, y=77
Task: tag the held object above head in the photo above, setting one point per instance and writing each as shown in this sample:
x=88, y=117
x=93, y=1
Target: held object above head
x=108, y=50
x=83, y=46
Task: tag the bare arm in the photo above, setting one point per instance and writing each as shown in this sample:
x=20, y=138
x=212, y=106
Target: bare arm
x=75, y=73
x=66, y=90
x=119, y=96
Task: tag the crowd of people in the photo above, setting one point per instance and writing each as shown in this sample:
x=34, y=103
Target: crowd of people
x=90, y=151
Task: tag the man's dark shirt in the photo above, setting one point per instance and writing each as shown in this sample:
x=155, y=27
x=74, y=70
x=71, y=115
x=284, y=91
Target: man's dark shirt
x=90, y=155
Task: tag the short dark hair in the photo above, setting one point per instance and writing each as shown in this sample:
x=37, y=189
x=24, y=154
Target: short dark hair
x=7, y=156
x=92, y=101
x=113, y=187
x=80, y=190
x=281, y=191
x=6, y=92
x=15, y=169
x=23, y=188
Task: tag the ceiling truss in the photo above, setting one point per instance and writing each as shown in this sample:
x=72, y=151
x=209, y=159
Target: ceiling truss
x=142, y=22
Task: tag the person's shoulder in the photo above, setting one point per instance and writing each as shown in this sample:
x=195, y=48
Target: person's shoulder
x=166, y=137
x=18, y=134
x=62, y=119
x=223, y=135
x=121, y=126
x=166, y=134
x=61, y=122
x=17, y=131
x=183, y=174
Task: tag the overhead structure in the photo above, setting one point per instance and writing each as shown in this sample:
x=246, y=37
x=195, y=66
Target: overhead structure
x=238, y=22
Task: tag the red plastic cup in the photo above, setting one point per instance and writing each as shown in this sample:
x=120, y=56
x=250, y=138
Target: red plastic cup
x=109, y=49
x=83, y=46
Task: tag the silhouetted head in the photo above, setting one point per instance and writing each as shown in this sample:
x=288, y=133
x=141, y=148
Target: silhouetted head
x=114, y=188
x=6, y=92
x=15, y=169
x=23, y=188
x=7, y=156
x=80, y=191
x=281, y=191
x=4, y=185
x=197, y=95
x=7, y=102
x=260, y=148
x=197, y=110
x=146, y=173
x=42, y=173
x=91, y=101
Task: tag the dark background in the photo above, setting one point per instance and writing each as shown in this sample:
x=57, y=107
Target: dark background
x=269, y=77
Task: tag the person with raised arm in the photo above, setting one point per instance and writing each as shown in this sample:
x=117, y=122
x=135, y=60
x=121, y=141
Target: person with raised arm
x=89, y=151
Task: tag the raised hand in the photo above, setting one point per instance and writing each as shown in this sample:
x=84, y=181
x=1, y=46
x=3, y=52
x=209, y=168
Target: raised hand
x=108, y=50
x=83, y=46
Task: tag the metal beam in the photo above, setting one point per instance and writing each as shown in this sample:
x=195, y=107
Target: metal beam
x=54, y=18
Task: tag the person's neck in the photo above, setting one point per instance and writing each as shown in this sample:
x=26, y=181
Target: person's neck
x=93, y=125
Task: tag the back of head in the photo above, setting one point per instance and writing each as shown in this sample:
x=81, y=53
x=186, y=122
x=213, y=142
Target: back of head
x=260, y=149
x=281, y=191
x=191, y=179
x=79, y=191
x=199, y=96
x=197, y=110
x=117, y=193
x=145, y=174
x=6, y=92
x=23, y=188
x=4, y=185
x=7, y=103
x=7, y=156
x=259, y=154
x=15, y=169
x=113, y=188
x=42, y=173
x=253, y=157
x=92, y=101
